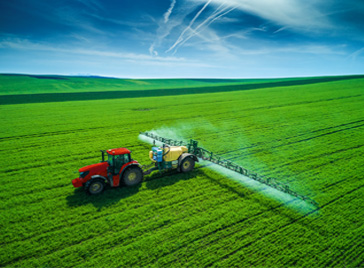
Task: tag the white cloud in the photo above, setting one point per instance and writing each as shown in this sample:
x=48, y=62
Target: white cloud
x=165, y=29
x=105, y=55
x=312, y=49
x=217, y=14
x=169, y=11
x=297, y=14
x=26, y=45
x=310, y=17
x=302, y=16
x=181, y=36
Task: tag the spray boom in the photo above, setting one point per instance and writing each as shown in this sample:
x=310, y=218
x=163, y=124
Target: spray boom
x=214, y=158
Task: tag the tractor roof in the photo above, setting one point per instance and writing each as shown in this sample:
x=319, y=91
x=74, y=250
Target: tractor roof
x=118, y=151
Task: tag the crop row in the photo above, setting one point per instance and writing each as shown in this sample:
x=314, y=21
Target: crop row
x=197, y=219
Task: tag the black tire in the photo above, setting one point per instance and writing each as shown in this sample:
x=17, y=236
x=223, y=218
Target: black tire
x=132, y=176
x=95, y=186
x=187, y=164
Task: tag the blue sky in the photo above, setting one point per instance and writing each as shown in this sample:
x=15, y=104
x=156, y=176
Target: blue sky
x=182, y=38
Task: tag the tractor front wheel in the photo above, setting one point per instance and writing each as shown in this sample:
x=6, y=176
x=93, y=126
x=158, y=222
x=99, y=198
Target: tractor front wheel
x=95, y=186
x=187, y=164
x=132, y=176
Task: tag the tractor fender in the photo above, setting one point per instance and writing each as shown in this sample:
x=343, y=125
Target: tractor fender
x=99, y=177
x=182, y=157
x=127, y=166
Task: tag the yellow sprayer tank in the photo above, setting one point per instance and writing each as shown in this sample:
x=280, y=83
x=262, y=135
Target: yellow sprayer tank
x=174, y=152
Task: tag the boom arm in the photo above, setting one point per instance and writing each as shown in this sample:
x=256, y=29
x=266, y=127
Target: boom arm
x=214, y=158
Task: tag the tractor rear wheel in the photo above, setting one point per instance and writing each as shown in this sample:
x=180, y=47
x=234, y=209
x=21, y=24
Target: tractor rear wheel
x=132, y=176
x=187, y=164
x=95, y=186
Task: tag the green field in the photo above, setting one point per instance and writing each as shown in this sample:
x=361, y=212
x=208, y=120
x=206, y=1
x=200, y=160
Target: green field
x=32, y=84
x=306, y=132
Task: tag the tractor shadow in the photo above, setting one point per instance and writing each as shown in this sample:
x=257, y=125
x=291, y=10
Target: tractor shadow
x=168, y=178
x=107, y=198
x=113, y=195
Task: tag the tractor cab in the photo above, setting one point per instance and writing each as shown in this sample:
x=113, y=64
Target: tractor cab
x=116, y=158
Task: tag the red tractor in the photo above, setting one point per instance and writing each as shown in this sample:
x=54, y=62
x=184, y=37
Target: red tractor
x=120, y=169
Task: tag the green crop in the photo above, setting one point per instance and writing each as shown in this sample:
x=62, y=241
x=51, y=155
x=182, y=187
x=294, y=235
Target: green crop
x=308, y=135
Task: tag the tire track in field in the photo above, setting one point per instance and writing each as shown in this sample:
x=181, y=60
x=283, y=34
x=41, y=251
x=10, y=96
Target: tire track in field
x=96, y=218
x=53, y=164
x=221, y=204
x=297, y=141
x=51, y=133
x=325, y=187
x=143, y=231
x=323, y=236
x=311, y=157
x=353, y=244
x=319, y=136
x=266, y=144
x=182, y=245
x=219, y=230
x=303, y=102
x=267, y=107
x=289, y=224
x=222, y=229
x=200, y=196
x=329, y=163
x=31, y=147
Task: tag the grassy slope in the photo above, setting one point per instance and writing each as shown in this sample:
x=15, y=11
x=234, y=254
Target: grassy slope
x=33, y=84
x=23, y=84
x=308, y=136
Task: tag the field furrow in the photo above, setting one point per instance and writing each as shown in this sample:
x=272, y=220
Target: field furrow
x=304, y=135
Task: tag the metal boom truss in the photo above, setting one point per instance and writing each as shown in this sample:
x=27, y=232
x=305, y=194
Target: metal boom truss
x=214, y=158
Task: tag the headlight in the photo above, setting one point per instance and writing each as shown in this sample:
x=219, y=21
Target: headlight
x=84, y=174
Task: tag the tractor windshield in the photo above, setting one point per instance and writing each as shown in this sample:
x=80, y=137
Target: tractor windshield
x=117, y=161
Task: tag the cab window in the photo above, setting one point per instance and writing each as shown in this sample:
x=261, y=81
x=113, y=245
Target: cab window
x=117, y=161
x=120, y=160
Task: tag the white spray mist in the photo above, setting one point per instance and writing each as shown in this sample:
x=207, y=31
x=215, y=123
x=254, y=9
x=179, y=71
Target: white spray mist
x=288, y=200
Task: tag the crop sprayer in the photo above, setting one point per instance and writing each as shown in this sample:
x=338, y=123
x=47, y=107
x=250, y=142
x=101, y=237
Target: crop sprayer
x=120, y=169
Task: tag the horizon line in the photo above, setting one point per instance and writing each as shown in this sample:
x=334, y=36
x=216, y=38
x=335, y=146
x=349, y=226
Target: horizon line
x=182, y=78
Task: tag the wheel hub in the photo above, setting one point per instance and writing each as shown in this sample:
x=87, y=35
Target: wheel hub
x=95, y=187
x=186, y=164
x=132, y=176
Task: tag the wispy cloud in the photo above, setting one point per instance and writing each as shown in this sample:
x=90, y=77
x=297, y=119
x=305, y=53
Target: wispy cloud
x=304, y=49
x=200, y=21
x=166, y=28
x=180, y=38
x=294, y=15
x=169, y=11
x=217, y=14
x=297, y=14
x=139, y=59
x=320, y=35
x=26, y=45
